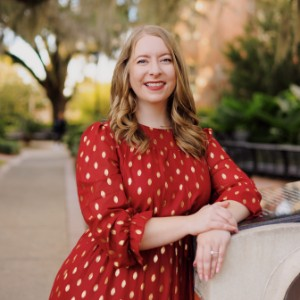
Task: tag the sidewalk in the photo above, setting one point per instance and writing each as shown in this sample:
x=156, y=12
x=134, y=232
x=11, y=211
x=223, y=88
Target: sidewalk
x=40, y=220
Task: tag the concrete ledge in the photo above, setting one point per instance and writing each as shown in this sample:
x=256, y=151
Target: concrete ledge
x=261, y=264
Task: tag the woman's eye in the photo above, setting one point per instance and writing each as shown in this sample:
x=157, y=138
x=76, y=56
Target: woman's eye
x=167, y=60
x=141, y=61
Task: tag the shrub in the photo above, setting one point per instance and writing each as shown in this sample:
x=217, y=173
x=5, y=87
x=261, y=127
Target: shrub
x=9, y=147
x=72, y=137
x=268, y=119
x=253, y=56
x=2, y=127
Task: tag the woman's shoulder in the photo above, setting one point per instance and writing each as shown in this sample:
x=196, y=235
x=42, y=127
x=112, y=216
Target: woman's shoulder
x=98, y=129
x=211, y=140
x=209, y=134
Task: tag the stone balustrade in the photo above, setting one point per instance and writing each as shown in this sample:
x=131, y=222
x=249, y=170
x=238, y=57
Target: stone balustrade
x=262, y=263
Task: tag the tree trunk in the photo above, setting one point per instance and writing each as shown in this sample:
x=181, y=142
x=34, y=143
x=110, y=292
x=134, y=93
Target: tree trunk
x=53, y=83
x=58, y=102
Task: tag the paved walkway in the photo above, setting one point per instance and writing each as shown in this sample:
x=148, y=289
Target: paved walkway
x=38, y=209
x=40, y=220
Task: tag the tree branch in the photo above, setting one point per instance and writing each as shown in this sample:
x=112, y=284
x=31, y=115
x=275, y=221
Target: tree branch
x=19, y=61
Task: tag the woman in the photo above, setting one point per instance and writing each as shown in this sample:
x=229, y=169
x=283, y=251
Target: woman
x=145, y=180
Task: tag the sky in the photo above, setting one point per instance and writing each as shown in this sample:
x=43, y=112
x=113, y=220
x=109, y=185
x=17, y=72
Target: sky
x=78, y=68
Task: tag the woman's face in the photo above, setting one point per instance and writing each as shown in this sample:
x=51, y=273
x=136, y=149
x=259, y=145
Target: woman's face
x=151, y=71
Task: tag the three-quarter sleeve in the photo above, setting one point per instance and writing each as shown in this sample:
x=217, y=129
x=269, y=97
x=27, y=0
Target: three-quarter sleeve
x=114, y=224
x=229, y=182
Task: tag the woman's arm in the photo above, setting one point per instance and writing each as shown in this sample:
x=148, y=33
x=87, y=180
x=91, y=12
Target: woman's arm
x=238, y=210
x=165, y=230
x=229, y=184
x=207, y=263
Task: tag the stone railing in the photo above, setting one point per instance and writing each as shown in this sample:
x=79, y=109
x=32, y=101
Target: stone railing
x=263, y=259
x=262, y=263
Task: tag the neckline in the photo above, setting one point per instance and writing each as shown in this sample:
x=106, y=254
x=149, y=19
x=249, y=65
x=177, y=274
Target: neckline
x=164, y=128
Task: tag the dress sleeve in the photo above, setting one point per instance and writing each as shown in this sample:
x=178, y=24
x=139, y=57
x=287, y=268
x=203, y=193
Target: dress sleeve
x=229, y=182
x=114, y=224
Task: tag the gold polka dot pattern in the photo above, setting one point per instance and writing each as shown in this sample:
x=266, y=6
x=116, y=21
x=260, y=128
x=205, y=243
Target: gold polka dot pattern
x=119, y=190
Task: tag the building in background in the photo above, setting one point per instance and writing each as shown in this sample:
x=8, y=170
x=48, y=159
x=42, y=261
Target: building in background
x=203, y=36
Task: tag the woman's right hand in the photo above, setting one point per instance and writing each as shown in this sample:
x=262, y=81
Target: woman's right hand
x=215, y=216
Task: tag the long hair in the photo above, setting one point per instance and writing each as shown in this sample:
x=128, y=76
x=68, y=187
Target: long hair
x=180, y=107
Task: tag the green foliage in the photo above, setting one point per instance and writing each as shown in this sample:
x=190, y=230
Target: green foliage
x=9, y=147
x=270, y=119
x=58, y=32
x=255, y=67
x=284, y=19
x=14, y=97
x=18, y=100
x=30, y=125
x=205, y=116
x=155, y=12
x=264, y=98
x=2, y=128
x=72, y=137
x=91, y=103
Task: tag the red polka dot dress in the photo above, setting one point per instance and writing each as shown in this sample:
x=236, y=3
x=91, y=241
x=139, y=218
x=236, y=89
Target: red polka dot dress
x=119, y=191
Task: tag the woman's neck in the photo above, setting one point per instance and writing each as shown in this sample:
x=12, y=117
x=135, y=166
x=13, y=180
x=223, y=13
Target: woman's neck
x=153, y=116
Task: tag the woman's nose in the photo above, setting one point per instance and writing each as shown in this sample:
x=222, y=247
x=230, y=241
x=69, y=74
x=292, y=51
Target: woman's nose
x=154, y=68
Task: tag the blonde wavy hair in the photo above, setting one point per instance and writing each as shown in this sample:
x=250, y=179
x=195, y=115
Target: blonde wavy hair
x=181, y=106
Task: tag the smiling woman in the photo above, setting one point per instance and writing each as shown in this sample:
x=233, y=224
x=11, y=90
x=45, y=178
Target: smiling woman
x=149, y=179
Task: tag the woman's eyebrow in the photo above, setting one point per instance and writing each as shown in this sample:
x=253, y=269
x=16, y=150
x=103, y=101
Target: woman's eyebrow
x=148, y=55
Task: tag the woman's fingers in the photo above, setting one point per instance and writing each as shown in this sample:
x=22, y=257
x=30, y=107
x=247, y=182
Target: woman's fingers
x=198, y=263
x=225, y=213
x=212, y=217
x=214, y=254
x=206, y=263
x=211, y=249
x=221, y=257
x=220, y=225
x=223, y=216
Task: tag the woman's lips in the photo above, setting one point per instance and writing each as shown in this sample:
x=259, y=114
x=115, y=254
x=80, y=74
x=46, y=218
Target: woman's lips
x=155, y=85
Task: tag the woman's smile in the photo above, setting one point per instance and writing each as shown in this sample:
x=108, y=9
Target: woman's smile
x=155, y=85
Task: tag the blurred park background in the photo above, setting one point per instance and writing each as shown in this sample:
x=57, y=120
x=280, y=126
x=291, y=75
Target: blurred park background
x=57, y=56
x=57, y=59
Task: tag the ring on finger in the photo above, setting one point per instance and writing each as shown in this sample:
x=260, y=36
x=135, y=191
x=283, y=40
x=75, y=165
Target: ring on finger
x=212, y=252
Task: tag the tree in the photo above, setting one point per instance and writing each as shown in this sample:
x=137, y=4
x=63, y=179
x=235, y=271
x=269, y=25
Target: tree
x=165, y=13
x=18, y=98
x=59, y=31
x=287, y=16
x=260, y=63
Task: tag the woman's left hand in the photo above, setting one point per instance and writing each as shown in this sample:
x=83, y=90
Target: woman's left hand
x=210, y=253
